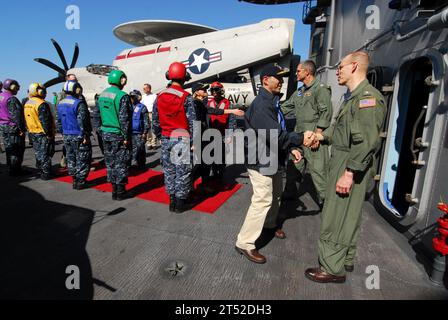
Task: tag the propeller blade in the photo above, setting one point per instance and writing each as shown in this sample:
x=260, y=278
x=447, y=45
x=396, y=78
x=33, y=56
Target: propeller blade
x=51, y=65
x=75, y=56
x=60, y=53
x=54, y=81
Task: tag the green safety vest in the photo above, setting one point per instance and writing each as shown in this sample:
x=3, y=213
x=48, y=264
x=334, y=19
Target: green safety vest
x=109, y=105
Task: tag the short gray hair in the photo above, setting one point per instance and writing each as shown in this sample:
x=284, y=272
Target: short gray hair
x=309, y=66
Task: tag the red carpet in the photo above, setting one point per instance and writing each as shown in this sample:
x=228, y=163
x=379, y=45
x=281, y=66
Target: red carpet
x=149, y=185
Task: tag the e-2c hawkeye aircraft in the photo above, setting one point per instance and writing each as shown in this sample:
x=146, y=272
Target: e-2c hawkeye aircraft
x=234, y=56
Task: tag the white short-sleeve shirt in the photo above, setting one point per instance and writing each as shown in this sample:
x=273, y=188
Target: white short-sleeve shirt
x=148, y=100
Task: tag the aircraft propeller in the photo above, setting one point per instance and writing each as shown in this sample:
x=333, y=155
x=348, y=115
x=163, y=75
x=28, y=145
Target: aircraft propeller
x=62, y=72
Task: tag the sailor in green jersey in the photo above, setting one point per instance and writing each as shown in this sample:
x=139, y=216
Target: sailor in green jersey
x=116, y=126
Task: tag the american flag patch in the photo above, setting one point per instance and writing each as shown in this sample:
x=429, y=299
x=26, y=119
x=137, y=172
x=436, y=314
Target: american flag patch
x=367, y=103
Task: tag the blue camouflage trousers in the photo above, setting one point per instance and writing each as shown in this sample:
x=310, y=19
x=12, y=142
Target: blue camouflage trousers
x=14, y=147
x=138, y=150
x=177, y=166
x=116, y=156
x=79, y=156
x=44, y=151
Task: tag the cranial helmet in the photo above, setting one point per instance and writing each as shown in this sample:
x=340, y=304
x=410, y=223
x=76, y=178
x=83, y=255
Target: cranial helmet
x=11, y=85
x=37, y=90
x=118, y=78
x=217, y=87
x=137, y=94
x=178, y=71
x=72, y=87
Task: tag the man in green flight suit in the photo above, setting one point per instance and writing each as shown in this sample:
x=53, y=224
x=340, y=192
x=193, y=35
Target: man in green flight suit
x=312, y=107
x=354, y=137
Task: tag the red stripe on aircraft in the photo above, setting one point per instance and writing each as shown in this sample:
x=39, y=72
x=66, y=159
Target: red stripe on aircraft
x=143, y=53
x=165, y=49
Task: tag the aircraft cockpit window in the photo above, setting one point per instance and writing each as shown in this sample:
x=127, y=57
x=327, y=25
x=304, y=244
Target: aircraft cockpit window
x=100, y=69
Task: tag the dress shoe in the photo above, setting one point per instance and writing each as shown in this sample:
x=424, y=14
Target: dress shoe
x=349, y=268
x=318, y=275
x=276, y=232
x=280, y=234
x=253, y=255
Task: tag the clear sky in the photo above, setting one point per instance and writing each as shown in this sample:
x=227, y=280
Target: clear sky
x=27, y=30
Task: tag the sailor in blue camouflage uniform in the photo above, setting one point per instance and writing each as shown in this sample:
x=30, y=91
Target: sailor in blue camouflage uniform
x=74, y=123
x=12, y=126
x=173, y=118
x=140, y=129
x=41, y=126
x=116, y=127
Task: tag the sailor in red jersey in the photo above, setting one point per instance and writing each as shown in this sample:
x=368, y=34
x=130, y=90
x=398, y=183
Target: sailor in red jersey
x=173, y=117
x=220, y=122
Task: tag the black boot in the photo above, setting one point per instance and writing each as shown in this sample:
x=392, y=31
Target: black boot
x=114, y=191
x=172, y=202
x=82, y=184
x=121, y=192
x=181, y=205
x=75, y=184
x=45, y=176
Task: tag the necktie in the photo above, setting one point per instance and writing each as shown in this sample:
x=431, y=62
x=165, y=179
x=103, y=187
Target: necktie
x=281, y=117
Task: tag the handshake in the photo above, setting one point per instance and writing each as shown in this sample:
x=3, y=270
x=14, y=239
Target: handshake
x=312, y=139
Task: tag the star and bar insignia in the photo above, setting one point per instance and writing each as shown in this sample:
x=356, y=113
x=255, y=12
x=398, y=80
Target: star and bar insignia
x=199, y=61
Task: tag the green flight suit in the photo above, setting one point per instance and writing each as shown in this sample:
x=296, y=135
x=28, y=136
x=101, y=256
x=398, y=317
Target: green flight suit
x=313, y=109
x=354, y=138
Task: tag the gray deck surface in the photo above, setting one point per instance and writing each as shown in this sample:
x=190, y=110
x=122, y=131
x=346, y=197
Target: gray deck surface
x=129, y=249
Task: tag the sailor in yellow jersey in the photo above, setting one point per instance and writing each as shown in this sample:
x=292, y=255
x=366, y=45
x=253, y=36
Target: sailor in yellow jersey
x=41, y=126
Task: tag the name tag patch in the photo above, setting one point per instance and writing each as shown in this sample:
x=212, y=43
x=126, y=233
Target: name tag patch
x=367, y=103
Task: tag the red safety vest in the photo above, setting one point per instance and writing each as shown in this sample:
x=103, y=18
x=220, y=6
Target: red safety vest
x=220, y=122
x=170, y=106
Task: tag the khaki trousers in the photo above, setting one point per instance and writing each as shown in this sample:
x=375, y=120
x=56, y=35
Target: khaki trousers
x=263, y=210
x=151, y=138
